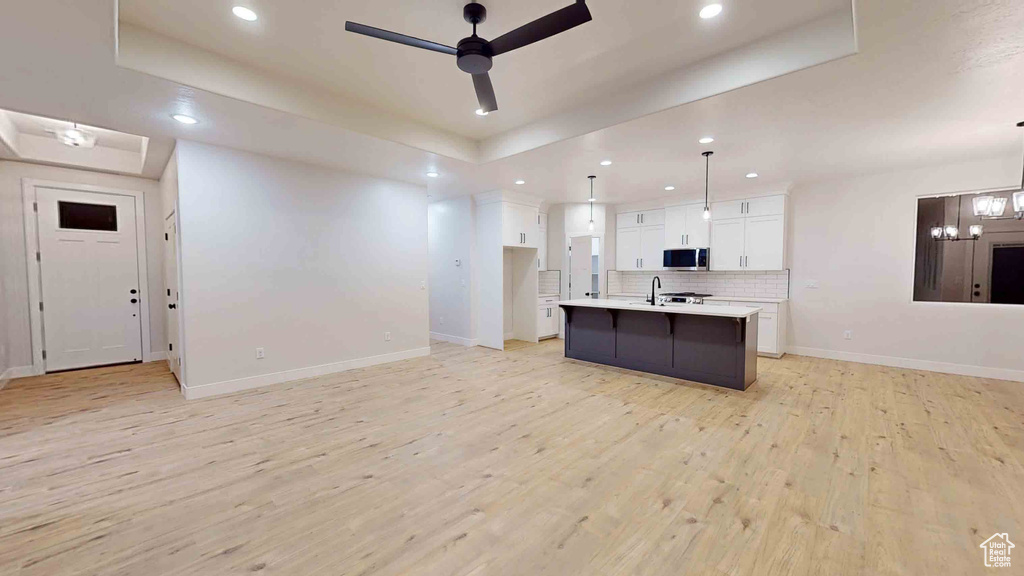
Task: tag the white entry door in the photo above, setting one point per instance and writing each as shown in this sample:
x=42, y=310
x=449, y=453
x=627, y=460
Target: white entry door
x=171, y=282
x=89, y=278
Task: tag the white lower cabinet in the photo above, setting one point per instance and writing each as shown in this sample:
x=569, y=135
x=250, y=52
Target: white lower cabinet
x=547, y=318
x=771, y=323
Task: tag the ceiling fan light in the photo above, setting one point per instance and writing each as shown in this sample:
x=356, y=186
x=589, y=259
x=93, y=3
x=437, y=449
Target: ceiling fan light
x=998, y=206
x=982, y=205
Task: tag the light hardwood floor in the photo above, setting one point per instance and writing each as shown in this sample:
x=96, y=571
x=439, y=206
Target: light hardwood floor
x=474, y=462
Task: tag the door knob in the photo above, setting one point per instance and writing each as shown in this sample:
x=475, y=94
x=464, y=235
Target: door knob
x=133, y=290
x=134, y=300
x=171, y=306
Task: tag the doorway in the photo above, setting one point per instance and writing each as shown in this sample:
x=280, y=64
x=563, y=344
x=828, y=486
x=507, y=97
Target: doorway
x=87, y=279
x=584, y=267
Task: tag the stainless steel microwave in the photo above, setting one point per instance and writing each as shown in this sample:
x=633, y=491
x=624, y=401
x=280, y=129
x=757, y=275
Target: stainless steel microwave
x=686, y=259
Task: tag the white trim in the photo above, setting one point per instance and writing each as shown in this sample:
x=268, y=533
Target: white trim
x=453, y=339
x=15, y=372
x=911, y=363
x=228, y=386
x=28, y=188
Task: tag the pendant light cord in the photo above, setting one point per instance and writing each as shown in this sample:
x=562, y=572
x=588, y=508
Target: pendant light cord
x=707, y=175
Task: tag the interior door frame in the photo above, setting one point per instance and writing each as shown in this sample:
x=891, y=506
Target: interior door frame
x=28, y=189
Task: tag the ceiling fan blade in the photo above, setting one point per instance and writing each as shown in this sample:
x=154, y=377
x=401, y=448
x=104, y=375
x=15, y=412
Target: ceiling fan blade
x=546, y=27
x=485, y=92
x=399, y=38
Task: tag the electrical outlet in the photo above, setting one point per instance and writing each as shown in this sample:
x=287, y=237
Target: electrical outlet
x=442, y=320
x=259, y=353
x=387, y=336
x=848, y=335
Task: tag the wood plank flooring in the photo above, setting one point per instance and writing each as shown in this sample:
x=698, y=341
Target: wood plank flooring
x=474, y=462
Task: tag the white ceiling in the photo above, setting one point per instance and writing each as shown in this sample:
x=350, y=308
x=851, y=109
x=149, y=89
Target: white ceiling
x=627, y=42
x=935, y=81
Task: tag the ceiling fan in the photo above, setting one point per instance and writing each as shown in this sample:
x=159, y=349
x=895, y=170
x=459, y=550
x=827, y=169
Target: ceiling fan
x=474, y=54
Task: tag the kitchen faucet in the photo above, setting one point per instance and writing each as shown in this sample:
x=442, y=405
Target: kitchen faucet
x=654, y=297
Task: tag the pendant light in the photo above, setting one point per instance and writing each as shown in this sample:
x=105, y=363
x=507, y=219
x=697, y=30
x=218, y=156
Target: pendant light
x=707, y=177
x=590, y=226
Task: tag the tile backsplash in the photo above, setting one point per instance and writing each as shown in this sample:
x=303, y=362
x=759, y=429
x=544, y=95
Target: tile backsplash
x=549, y=282
x=740, y=284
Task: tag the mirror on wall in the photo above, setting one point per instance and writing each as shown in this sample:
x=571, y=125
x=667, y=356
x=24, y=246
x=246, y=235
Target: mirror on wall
x=970, y=248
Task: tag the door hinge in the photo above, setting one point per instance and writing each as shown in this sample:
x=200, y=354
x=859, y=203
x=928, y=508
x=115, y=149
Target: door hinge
x=39, y=256
x=170, y=347
x=168, y=292
x=165, y=236
x=44, y=354
x=40, y=306
x=35, y=206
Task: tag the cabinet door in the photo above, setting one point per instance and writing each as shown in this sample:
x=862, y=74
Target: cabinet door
x=627, y=249
x=768, y=333
x=627, y=220
x=652, y=247
x=675, y=227
x=727, y=244
x=528, y=217
x=731, y=209
x=763, y=243
x=542, y=249
x=511, y=232
x=766, y=206
x=698, y=230
x=652, y=218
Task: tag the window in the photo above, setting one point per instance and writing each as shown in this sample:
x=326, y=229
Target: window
x=78, y=216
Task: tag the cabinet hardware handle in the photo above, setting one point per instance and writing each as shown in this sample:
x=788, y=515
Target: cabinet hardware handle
x=741, y=261
x=684, y=239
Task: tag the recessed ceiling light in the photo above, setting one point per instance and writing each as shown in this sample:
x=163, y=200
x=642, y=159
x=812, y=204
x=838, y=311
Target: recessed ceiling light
x=245, y=13
x=710, y=11
x=520, y=182
x=670, y=188
x=752, y=175
x=706, y=140
x=432, y=174
x=184, y=119
x=606, y=162
x=481, y=112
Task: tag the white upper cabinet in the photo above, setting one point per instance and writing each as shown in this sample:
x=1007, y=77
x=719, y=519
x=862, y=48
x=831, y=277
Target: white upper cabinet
x=727, y=244
x=749, y=234
x=763, y=243
x=519, y=225
x=652, y=247
x=627, y=249
x=639, y=219
x=685, y=227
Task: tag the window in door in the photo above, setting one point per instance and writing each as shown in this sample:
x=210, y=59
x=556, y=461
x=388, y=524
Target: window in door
x=81, y=216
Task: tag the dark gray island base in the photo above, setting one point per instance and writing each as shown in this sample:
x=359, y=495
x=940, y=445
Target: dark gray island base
x=717, y=347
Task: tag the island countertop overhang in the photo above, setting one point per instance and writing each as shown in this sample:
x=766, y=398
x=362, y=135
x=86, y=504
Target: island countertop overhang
x=688, y=309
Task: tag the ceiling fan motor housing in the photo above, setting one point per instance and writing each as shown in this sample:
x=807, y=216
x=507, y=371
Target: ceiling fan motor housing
x=474, y=55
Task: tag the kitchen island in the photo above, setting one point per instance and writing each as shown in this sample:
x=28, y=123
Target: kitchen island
x=710, y=344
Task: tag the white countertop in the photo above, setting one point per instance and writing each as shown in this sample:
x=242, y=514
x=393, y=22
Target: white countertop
x=690, y=309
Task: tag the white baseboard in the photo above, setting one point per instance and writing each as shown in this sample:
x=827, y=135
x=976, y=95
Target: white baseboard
x=453, y=339
x=16, y=372
x=912, y=363
x=228, y=386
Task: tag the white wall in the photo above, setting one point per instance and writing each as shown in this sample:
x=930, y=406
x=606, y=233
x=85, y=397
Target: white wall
x=15, y=332
x=312, y=265
x=855, y=238
x=452, y=237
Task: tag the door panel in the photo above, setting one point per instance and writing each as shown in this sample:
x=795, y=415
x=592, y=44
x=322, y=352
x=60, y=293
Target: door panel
x=627, y=220
x=87, y=281
x=675, y=227
x=766, y=206
x=727, y=244
x=731, y=209
x=763, y=243
x=172, y=304
x=652, y=218
x=627, y=249
x=698, y=230
x=652, y=247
